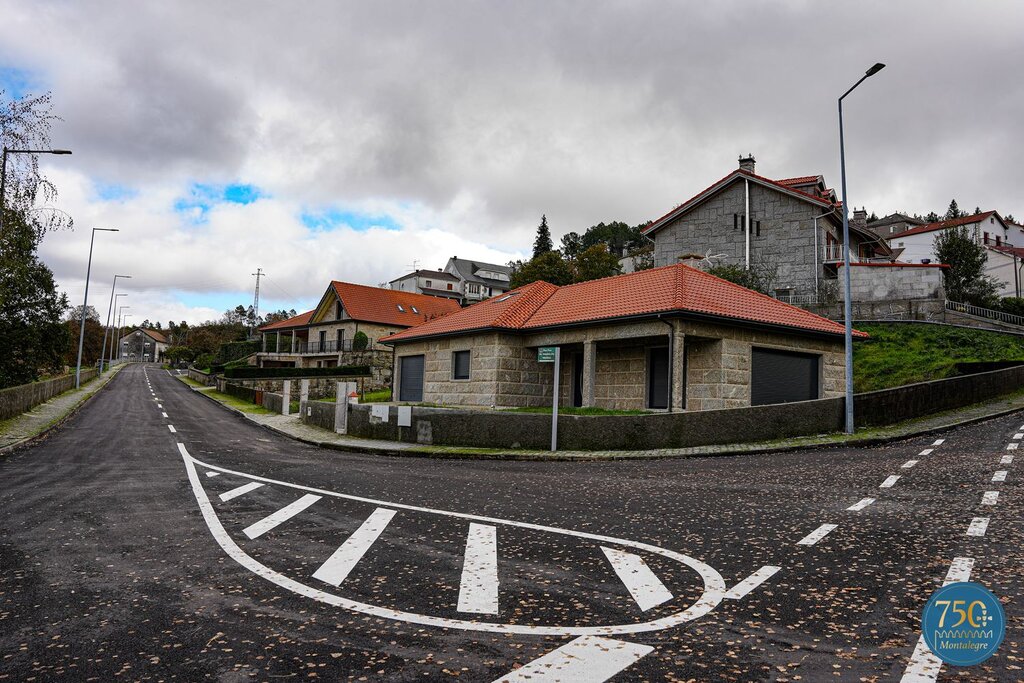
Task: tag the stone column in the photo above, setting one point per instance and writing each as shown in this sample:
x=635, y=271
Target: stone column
x=293, y=341
x=264, y=336
x=277, y=343
x=589, y=372
x=286, y=396
x=678, y=363
x=303, y=396
x=342, y=391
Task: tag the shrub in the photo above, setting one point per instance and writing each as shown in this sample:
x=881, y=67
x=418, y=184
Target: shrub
x=360, y=341
x=204, y=360
x=235, y=350
x=271, y=373
x=1012, y=305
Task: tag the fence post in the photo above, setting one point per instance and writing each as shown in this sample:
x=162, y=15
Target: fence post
x=341, y=407
x=303, y=397
x=286, y=396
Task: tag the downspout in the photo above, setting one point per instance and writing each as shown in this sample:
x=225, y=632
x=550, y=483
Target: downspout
x=671, y=353
x=746, y=218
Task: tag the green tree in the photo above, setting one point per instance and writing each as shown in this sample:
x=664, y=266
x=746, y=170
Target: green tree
x=92, y=342
x=549, y=267
x=572, y=245
x=953, y=211
x=619, y=237
x=932, y=217
x=751, y=278
x=543, y=244
x=595, y=262
x=360, y=341
x=965, y=279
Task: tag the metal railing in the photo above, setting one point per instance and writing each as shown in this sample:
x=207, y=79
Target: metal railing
x=327, y=346
x=980, y=312
x=797, y=299
x=832, y=252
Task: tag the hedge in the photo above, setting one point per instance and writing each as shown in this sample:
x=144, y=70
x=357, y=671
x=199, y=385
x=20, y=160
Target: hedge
x=272, y=373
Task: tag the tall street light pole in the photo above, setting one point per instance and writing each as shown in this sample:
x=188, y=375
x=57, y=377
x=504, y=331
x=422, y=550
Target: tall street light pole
x=120, y=316
x=106, y=328
x=85, y=304
x=113, y=317
x=847, y=304
x=3, y=171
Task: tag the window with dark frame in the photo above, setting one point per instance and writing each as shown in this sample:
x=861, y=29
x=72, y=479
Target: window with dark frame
x=460, y=365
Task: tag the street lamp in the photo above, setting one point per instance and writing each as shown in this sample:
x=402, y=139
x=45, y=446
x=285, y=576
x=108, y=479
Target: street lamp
x=85, y=304
x=847, y=304
x=106, y=328
x=113, y=316
x=3, y=171
x=120, y=317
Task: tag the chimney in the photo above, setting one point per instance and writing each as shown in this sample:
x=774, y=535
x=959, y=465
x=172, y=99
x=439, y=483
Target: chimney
x=747, y=163
x=860, y=218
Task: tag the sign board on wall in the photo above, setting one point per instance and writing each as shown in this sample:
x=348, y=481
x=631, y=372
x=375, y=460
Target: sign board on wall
x=546, y=354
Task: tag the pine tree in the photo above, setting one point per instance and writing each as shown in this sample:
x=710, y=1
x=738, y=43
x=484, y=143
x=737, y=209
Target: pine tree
x=543, y=244
x=932, y=217
x=953, y=211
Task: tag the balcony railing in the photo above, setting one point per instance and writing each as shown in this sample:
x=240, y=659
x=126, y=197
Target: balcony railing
x=327, y=347
x=832, y=252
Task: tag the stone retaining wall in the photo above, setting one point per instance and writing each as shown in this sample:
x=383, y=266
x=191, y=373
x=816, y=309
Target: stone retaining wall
x=204, y=378
x=17, y=400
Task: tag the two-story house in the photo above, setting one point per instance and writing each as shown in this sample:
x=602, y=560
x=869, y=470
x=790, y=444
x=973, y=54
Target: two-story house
x=430, y=282
x=479, y=280
x=790, y=229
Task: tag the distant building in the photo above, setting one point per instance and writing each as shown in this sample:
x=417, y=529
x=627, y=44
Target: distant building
x=465, y=280
x=430, y=282
x=893, y=224
x=143, y=345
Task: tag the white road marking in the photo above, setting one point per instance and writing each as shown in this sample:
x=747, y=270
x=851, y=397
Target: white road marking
x=164, y=414
x=1006, y=460
x=173, y=430
x=924, y=666
x=999, y=476
x=213, y=474
x=748, y=584
x=1019, y=435
x=585, y=660
x=939, y=442
x=241, y=490
x=160, y=406
x=478, y=587
x=978, y=526
x=642, y=583
x=908, y=464
x=816, y=535
x=861, y=504
x=990, y=498
x=711, y=597
x=283, y=515
x=889, y=481
x=340, y=564
x=927, y=451
x=1012, y=446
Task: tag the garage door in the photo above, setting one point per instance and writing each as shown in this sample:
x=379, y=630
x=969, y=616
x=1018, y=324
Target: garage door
x=783, y=377
x=410, y=382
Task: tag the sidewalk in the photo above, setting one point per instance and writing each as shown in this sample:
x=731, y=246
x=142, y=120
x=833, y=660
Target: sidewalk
x=292, y=427
x=26, y=427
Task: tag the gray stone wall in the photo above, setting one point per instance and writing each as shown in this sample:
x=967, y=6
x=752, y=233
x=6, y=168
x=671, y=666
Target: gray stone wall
x=884, y=283
x=786, y=239
x=17, y=400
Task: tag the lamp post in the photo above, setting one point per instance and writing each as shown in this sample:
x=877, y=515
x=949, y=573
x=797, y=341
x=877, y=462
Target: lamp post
x=120, y=317
x=106, y=328
x=85, y=304
x=126, y=316
x=847, y=304
x=113, y=319
x=3, y=171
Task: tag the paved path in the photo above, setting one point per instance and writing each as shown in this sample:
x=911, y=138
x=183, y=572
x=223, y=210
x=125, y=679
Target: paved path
x=181, y=542
x=45, y=415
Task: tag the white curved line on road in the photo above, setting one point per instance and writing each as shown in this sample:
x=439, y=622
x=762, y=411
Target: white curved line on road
x=714, y=584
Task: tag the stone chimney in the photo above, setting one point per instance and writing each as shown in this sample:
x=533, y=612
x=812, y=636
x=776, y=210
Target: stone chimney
x=747, y=163
x=860, y=218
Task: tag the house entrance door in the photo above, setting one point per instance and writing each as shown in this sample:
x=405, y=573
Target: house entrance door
x=657, y=378
x=577, y=380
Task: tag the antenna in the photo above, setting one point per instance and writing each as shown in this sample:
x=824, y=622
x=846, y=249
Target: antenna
x=256, y=300
x=415, y=265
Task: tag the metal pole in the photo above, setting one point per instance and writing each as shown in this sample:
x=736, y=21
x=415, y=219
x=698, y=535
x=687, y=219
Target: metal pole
x=3, y=187
x=106, y=328
x=847, y=304
x=85, y=303
x=554, y=400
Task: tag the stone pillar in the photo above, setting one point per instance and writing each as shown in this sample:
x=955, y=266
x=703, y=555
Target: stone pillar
x=286, y=396
x=677, y=381
x=589, y=372
x=293, y=341
x=303, y=396
x=277, y=343
x=264, y=336
x=342, y=391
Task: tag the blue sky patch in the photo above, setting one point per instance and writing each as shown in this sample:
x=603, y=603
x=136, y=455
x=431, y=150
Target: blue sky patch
x=16, y=83
x=112, y=192
x=325, y=220
x=204, y=196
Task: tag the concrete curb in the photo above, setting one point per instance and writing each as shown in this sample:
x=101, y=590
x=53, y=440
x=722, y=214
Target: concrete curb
x=10, y=448
x=577, y=456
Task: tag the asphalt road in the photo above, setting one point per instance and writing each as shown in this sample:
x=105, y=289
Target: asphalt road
x=121, y=557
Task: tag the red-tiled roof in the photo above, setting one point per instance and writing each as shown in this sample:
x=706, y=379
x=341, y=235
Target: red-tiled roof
x=820, y=201
x=300, y=320
x=376, y=305
x=802, y=180
x=157, y=336
x=942, y=225
x=670, y=289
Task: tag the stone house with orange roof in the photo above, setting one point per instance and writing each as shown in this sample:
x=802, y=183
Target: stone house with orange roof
x=671, y=338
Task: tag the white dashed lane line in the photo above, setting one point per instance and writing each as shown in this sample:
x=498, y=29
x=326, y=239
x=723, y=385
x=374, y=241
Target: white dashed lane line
x=861, y=504
x=889, y=481
x=816, y=535
x=1012, y=446
x=1019, y=435
x=990, y=498
x=173, y=430
x=924, y=666
x=741, y=589
x=908, y=464
x=978, y=526
x=1006, y=460
x=164, y=414
x=588, y=659
x=939, y=442
x=927, y=451
x=999, y=476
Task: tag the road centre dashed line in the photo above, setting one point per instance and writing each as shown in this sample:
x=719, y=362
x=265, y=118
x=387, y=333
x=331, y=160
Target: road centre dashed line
x=990, y=498
x=1019, y=435
x=861, y=504
x=924, y=666
x=1000, y=475
x=927, y=451
x=889, y=481
x=818, y=534
x=978, y=526
x=908, y=464
x=646, y=588
x=939, y=442
x=587, y=659
x=1006, y=460
x=741, y=589
x=173, y=430
x=164, y=414
x=1012, y=446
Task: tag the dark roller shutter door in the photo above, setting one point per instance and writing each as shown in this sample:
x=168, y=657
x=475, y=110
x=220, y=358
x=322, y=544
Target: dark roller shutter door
x=411, y=379
x=783, y=377
x=657, y=378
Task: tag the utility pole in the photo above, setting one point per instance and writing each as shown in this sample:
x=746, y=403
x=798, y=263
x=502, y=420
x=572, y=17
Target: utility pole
x=256, y=301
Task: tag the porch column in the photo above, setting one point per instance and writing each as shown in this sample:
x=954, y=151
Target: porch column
x=677, y=361
x=264, y=335
x=293, y=341
x=277, y=343
x=589, y=372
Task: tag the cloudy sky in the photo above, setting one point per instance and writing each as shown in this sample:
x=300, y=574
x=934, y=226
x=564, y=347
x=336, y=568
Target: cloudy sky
x=322, y=140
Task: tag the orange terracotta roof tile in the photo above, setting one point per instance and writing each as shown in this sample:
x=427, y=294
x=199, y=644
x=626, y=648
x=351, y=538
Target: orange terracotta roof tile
x=942, y=225
x=675, y=289
x=391, y=306
x=298, y=321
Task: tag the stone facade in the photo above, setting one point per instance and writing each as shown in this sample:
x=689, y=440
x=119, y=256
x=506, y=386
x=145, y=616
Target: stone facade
x=890, y=282
x=784, y=243
x=711, y=365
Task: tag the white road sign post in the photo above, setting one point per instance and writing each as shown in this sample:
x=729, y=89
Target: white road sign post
x=552, y=354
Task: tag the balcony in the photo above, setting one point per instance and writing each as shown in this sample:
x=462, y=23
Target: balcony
x=327, y=347
x=832, y=253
